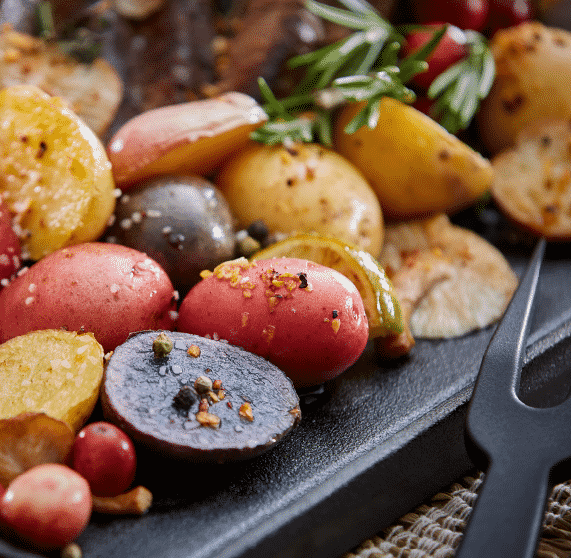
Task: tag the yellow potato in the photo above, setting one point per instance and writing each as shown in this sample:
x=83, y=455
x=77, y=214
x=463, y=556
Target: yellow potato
x=303, y=188
x=54, y=172
x=51, y=371
x=414, y=165
x=533, y=70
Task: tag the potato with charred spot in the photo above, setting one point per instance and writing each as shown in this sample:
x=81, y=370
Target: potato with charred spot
x=413, y=164
x=305, y=318
x=106, y=289
x=303, y=188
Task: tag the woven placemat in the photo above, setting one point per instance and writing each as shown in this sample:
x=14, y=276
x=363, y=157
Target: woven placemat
x=434, y=530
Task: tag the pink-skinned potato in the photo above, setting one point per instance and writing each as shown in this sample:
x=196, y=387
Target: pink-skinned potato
x=10, y=250
x=106, y=289
x=305, y=318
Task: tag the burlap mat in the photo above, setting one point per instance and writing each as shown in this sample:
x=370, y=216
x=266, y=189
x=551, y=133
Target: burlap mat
x=434, y=530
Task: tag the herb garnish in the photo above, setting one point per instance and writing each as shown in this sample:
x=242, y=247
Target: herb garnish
x=365, y=66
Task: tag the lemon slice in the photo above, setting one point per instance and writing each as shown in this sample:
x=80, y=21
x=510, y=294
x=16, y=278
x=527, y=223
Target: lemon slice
x=378, y=294
x=54, y=172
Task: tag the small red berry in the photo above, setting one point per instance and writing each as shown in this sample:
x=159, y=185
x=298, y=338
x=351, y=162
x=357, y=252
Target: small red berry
x=106, y=457
x=465, y=14
x=508, y=13
x=449, y=50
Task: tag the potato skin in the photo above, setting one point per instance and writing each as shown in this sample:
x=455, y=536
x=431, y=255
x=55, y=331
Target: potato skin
x=303, y=188
x=414, y=165
x=106, y=289
x=533, y=71
x=10, y=251
x=305, y=318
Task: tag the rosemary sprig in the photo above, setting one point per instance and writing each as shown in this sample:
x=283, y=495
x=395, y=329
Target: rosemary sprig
x=365, y=66
x=460, y=89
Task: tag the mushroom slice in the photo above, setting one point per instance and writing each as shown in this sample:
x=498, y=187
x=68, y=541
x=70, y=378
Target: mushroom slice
x=532, y=184
x=93, y=91
x=30, y=439
x=450, y=280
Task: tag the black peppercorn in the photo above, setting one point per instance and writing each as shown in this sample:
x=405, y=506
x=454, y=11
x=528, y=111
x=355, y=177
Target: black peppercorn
x=258, y=230
x=184, y=398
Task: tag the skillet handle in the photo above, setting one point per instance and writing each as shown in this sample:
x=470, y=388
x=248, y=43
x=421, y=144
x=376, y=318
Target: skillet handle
x=508, y=514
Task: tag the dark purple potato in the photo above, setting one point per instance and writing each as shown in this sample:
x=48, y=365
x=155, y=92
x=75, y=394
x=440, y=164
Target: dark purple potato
x=204, y=400
x=182, y=222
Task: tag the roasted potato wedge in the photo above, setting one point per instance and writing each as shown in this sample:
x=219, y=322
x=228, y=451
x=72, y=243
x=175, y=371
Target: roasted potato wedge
x=414, y=165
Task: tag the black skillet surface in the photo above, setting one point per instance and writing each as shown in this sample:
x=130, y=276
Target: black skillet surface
x=378, y=441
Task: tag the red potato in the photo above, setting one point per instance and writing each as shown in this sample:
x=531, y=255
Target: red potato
x=10, y=252
x=306, y=318
x=105, y=456
x=106, y=289
x=49, y=505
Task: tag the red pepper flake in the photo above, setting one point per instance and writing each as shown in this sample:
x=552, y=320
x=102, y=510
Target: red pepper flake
x=245, y=318
x=203, y=406
x=246, y=411
x=229, y=404
x=268, y=333
x=208, y=419
x=217, y=384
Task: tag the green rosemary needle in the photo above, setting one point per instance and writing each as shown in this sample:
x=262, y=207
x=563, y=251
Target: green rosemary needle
x=365, y=67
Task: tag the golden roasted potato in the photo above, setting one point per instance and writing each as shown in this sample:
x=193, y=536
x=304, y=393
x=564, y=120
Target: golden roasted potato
x=533, y=71
x=53, y=171
x=414, y=165
x=51, y=371
x=303, y=188
x=532, y=184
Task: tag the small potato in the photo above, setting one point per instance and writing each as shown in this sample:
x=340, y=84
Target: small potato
x=414, y=165
x=48, y=506
x=53, y=171
x=305, y=318
x=106, y=289
x=182, y=222
x=303, y=188
x=533, y=71
x=51, y=371
x=194, y=137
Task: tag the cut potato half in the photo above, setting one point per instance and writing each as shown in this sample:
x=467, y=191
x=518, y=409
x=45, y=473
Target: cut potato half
x=532, y=184
x=449, y=280
x=54, y=172
x=51, y=371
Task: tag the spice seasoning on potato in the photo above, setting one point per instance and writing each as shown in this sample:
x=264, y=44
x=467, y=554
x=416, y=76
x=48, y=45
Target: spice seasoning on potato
x=303, y=188
x=289, y=304
x=138, y=393
x=413, y=164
